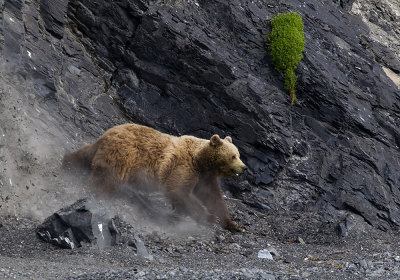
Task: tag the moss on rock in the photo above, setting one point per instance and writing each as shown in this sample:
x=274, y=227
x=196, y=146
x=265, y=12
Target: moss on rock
x=286, y=46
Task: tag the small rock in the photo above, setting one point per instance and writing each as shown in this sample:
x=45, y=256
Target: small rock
x=131, y=243
x=301, y=241
x=220, y=238
x=265, y=254
x=273, y=251
x=191, y=238
x=363, y=264
x=397, y=259
x=170, y=250
x=74, y=70
x=247, y=253
x=326, y=27
x=138, y=244
x=234, y=246
x=345, y=226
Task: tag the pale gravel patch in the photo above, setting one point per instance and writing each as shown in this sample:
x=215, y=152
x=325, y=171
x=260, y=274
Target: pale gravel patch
x=393, y=76
x=377, y=33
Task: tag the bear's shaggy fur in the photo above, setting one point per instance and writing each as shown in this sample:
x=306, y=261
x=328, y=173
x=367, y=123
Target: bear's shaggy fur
x=186, y=167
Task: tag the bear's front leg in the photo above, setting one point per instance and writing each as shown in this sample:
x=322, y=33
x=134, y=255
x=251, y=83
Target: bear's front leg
x=102, y=180
x=209, y=193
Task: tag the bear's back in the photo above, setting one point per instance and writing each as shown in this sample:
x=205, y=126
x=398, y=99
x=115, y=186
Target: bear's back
x=130, y=147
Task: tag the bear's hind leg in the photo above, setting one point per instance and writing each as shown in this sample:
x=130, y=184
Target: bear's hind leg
x=102, y=179
x=185, y=203
x=179, y=187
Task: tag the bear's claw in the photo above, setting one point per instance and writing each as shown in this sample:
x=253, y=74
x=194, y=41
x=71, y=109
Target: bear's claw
x=232, y=227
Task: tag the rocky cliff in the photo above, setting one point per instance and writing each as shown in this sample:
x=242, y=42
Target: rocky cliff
x=71, y=69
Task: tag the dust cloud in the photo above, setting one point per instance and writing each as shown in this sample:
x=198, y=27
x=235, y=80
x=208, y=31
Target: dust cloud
x=31, y=146
x=33, y=185
x=150, y=211
x=33, y=140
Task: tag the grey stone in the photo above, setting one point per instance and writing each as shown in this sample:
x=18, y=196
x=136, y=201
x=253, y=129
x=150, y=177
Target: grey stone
x=363, y=264
x=345, y=226
x=140, y=247
x=273, y=251
x=84, y=221
x=264, y=254
x=301, y=241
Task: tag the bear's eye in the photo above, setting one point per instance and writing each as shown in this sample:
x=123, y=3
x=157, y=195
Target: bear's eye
x=233, y=157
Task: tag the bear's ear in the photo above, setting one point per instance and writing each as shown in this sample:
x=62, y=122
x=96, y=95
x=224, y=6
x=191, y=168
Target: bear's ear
x=229, y=139
x=215, y=141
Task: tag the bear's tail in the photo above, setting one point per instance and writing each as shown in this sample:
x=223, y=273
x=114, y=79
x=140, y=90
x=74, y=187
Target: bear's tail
x=80, y=159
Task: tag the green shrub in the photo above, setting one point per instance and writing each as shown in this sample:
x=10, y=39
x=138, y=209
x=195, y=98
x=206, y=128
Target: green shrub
x=286, y=46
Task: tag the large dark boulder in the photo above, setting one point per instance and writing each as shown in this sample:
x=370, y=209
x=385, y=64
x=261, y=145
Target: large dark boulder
x=201, y=67
x=84, y=221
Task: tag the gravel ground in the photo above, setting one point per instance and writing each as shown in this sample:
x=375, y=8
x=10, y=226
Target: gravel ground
x=205, y=253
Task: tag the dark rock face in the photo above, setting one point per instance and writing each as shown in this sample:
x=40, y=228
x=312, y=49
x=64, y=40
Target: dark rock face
x=84, y=221
x=187, y=67
x=345, y=4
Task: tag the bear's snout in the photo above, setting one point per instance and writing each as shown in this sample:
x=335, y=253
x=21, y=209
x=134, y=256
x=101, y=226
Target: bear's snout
x=238, y=171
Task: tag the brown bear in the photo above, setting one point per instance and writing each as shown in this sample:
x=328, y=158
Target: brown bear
x=186, y=167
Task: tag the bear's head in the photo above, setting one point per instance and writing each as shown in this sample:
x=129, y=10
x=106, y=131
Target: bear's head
x=225, y=157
